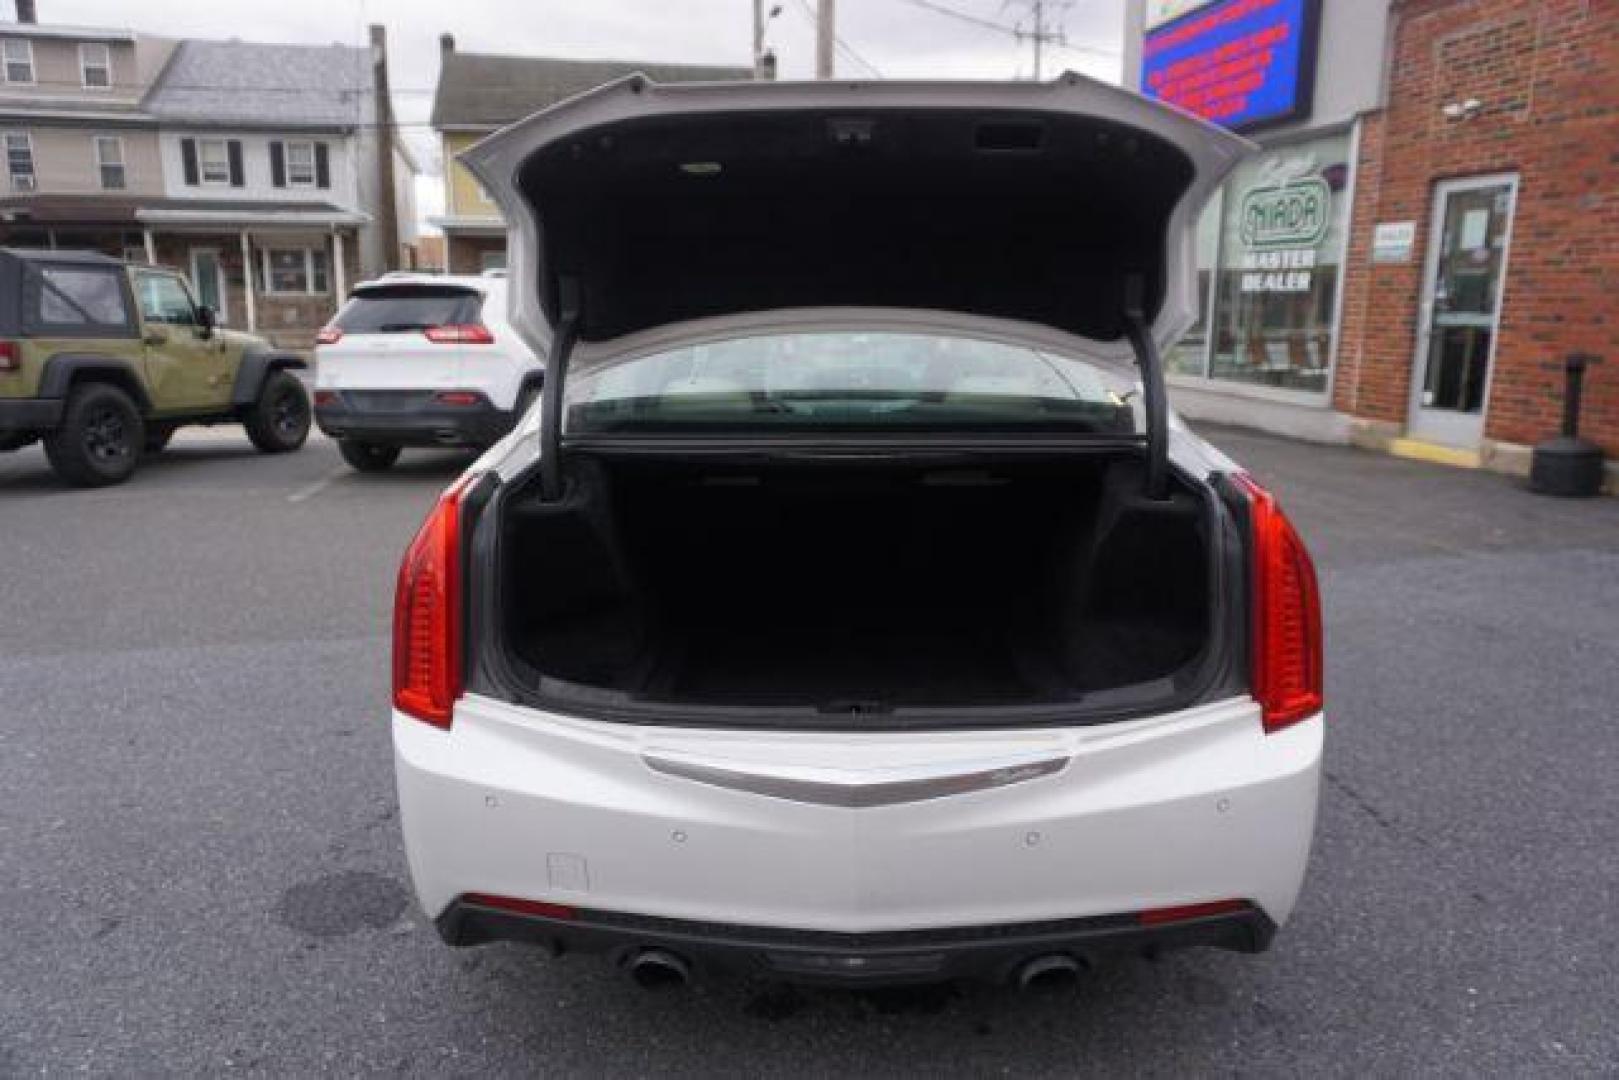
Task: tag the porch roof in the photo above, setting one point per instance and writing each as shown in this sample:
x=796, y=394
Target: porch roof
x=223, y=214
x=226, y=214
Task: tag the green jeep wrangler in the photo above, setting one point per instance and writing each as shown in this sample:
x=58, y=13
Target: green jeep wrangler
x=103, y=361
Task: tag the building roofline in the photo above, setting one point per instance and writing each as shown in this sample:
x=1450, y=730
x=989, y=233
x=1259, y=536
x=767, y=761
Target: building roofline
x=162, y=73
x=677, y=65
x=568, y=76
x=177, y=123
x=62, y=30
x=467, y=223
x=76, y=117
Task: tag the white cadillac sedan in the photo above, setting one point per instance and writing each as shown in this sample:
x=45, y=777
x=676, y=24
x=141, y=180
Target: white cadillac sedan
x=851, y=609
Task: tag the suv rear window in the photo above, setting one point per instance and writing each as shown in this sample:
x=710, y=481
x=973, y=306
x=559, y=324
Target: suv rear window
x=400, y=309
x=70, y=299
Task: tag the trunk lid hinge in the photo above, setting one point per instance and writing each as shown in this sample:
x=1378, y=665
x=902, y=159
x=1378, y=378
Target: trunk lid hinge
x=556, y=374
x=1154, y=401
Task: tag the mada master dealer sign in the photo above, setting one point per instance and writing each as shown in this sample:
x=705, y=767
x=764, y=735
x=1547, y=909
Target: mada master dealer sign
x=1240, y=63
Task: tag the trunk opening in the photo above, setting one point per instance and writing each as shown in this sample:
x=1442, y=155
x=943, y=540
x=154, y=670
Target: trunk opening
x=858, y=586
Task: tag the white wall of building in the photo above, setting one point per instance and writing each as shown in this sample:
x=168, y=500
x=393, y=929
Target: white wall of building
x=258, y=185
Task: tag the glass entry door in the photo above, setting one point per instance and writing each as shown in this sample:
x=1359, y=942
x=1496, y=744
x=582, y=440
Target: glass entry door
x=1461, y=309
x=208, y=279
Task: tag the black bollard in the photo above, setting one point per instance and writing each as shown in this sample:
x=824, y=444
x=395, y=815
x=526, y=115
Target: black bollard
x=1568, y=464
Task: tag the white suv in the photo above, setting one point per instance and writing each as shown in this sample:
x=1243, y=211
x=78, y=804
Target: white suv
x=853, y=609
x=421, y=360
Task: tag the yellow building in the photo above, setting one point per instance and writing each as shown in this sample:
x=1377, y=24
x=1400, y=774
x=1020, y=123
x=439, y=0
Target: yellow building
x=479, y=93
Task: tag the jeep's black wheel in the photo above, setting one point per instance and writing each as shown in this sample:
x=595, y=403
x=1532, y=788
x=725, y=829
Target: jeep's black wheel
x=100, y=439
x=278, y=421
x=368, y=457
x=157, y=438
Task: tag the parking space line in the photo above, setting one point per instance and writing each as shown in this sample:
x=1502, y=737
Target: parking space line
x=309, y=491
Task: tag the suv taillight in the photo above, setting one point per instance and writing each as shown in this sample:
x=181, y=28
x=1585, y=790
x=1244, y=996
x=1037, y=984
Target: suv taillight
x=10, y=356
x=1286, y=615
x=460, y=334
x=427, y=614
x=329, y=335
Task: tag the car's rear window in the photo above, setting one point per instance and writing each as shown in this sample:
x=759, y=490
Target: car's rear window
x=70, y=300
x=848, y=380
x=399, y=309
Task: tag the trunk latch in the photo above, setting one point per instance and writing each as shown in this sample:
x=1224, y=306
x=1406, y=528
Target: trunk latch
x=854, y=707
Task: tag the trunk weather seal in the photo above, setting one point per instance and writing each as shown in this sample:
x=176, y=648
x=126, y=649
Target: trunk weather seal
x=847, y=444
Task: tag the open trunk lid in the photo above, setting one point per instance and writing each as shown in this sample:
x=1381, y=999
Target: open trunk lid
x=644, y=216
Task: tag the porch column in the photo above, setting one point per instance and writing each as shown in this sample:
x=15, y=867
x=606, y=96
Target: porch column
x=338, y=274
x=247, y=283
x=151, y=247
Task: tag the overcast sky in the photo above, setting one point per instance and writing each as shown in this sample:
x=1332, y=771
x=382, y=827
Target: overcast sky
x=898, y=38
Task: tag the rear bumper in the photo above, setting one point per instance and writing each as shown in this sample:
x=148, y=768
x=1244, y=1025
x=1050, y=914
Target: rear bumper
x=1188, y=808
x=428, y=423
x=30, y=414
x=987, y=953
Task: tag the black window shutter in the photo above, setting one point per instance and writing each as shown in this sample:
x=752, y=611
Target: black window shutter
x=278, y=163
x=236, y=163
x=188, y=154
x=323, y=167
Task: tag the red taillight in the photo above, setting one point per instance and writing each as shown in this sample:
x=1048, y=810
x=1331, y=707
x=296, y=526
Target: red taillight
x=329, y=335
x=1163, y=915
x=457, y=397
x=460, y=334
x=325, y=397
x=427, y=614
x=1286, y=659
x=521, y=907
x=10, y=356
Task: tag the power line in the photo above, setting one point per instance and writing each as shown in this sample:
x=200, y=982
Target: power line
x=848, y=50
x=975, y=20
x=1014, y=31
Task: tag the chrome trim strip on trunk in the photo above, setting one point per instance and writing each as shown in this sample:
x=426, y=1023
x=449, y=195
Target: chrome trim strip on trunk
x=857, y=788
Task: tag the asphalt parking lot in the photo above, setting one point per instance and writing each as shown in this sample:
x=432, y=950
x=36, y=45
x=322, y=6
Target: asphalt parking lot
x=200, y=867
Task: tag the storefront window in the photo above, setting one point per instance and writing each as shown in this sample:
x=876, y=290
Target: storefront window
x=1189, y=356
x=1282, y=234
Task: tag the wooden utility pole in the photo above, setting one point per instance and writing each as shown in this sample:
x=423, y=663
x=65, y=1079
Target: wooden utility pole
x=1039, y=34
x=387, y=213
x=1033, y=27
x=826, y=37
x=758, y=37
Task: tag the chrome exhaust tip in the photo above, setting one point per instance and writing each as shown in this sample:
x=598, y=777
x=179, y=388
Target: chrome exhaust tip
x=658, y=969
x=1053, y=971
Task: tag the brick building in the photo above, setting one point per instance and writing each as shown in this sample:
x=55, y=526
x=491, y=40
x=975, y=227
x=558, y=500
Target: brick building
x=1463, y=156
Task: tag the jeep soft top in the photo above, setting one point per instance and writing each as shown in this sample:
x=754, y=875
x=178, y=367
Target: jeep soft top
x=102, y=361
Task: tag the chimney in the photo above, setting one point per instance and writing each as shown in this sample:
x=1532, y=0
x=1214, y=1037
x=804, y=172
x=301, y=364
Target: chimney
x=387, y=210
x=26, y=12
x=446, y=43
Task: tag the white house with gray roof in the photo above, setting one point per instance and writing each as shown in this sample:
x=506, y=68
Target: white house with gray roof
x=270, y=163
x=270, y=173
